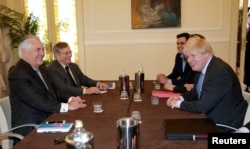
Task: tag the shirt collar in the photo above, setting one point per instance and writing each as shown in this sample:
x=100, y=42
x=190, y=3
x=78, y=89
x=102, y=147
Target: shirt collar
x=205, y=68
x=63, y=65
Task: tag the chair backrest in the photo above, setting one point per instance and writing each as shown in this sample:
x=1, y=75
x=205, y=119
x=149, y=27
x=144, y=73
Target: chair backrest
x=5, y=123
x=247, y=98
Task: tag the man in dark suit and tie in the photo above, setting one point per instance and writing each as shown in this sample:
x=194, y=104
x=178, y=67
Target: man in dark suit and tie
x=68, y=76
x=182, y=77
x=219, y=95
x=33, y=96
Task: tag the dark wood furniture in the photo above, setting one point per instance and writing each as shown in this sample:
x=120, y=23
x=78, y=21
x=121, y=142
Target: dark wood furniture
x=103, y=125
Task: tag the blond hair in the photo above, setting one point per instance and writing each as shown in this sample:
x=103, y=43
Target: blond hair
x=198, y=43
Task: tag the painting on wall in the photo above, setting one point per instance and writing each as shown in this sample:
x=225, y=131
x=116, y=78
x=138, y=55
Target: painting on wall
x=155, y=13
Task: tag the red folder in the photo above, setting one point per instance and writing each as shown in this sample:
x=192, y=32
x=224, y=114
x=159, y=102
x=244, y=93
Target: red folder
x=164, y=94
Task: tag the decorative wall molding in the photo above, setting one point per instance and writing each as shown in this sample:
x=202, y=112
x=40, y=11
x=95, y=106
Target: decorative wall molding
x=145, y=42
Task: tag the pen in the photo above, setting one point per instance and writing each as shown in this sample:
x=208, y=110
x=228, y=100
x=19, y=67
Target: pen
x=194, y=136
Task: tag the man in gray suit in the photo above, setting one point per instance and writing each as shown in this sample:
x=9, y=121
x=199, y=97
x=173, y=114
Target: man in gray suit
x=68, y=76
x=218, y=94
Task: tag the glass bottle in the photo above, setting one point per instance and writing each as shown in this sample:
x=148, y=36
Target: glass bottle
x=139, y=79
x=80, y=138
x=124, y=82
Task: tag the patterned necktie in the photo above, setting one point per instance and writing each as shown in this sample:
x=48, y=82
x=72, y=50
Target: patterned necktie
x=41, y=77
x=70, y=76
x=199, y=84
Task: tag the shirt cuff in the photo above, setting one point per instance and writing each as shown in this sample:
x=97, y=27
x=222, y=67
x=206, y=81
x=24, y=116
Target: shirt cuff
x=169, y=81
x=84, y=90
x=97, y=84
x=178, y=103
x=244, y=130
x=70, y=98
x=64, y=107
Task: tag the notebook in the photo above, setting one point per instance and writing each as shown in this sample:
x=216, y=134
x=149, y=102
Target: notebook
x=189, y=128
x=54, y=127
x=164, y=94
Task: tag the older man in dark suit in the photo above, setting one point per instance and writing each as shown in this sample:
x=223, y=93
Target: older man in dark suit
x=68, y=76
x=33, y=95
x=217, y=91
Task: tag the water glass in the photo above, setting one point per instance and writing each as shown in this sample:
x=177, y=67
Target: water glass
x=136, y=115
x=124, y=95
x=137, y=97
x=157, y=85
x=97, y=105
x=154, y=100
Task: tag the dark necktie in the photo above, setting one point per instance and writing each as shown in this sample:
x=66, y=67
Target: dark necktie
x=70, y=76
x=199, y=84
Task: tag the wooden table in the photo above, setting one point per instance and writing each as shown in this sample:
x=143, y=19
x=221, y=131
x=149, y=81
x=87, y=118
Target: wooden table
x=103, y=125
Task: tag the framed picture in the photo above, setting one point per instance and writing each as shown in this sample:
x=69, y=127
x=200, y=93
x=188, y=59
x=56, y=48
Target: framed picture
x=155, y=13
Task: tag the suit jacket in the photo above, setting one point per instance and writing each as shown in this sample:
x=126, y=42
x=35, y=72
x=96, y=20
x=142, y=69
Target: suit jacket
x=177, y=75
x=188, y=79
x=31, y=101
x=63, y=82
x=221, y=96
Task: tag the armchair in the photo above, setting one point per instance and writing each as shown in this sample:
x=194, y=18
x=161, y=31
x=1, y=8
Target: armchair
x=5, y=124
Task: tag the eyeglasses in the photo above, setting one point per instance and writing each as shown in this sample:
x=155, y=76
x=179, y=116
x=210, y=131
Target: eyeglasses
x=66, y=53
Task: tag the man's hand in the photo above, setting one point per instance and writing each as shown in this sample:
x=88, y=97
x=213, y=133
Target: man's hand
x=161, y=78
x=171, y=102
x=92, y=90
x=189, y=86
x=76, y=103
x=169, y=86
x=102, y=86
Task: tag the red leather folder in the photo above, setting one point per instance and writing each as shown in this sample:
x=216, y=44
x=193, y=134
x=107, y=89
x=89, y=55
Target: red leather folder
x=164, y=94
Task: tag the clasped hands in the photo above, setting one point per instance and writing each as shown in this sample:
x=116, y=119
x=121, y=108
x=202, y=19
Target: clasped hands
x=169, y=86
x=172, y=101
x=76, y=103
x=163, y=80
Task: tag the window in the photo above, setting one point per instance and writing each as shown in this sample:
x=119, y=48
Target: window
x=57, y=23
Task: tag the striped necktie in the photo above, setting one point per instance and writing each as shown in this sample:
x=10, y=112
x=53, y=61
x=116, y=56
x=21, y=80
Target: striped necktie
x=41, y=77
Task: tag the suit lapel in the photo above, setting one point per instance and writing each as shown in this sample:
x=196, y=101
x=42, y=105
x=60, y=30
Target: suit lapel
x=72, y=69
x=51, y=90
